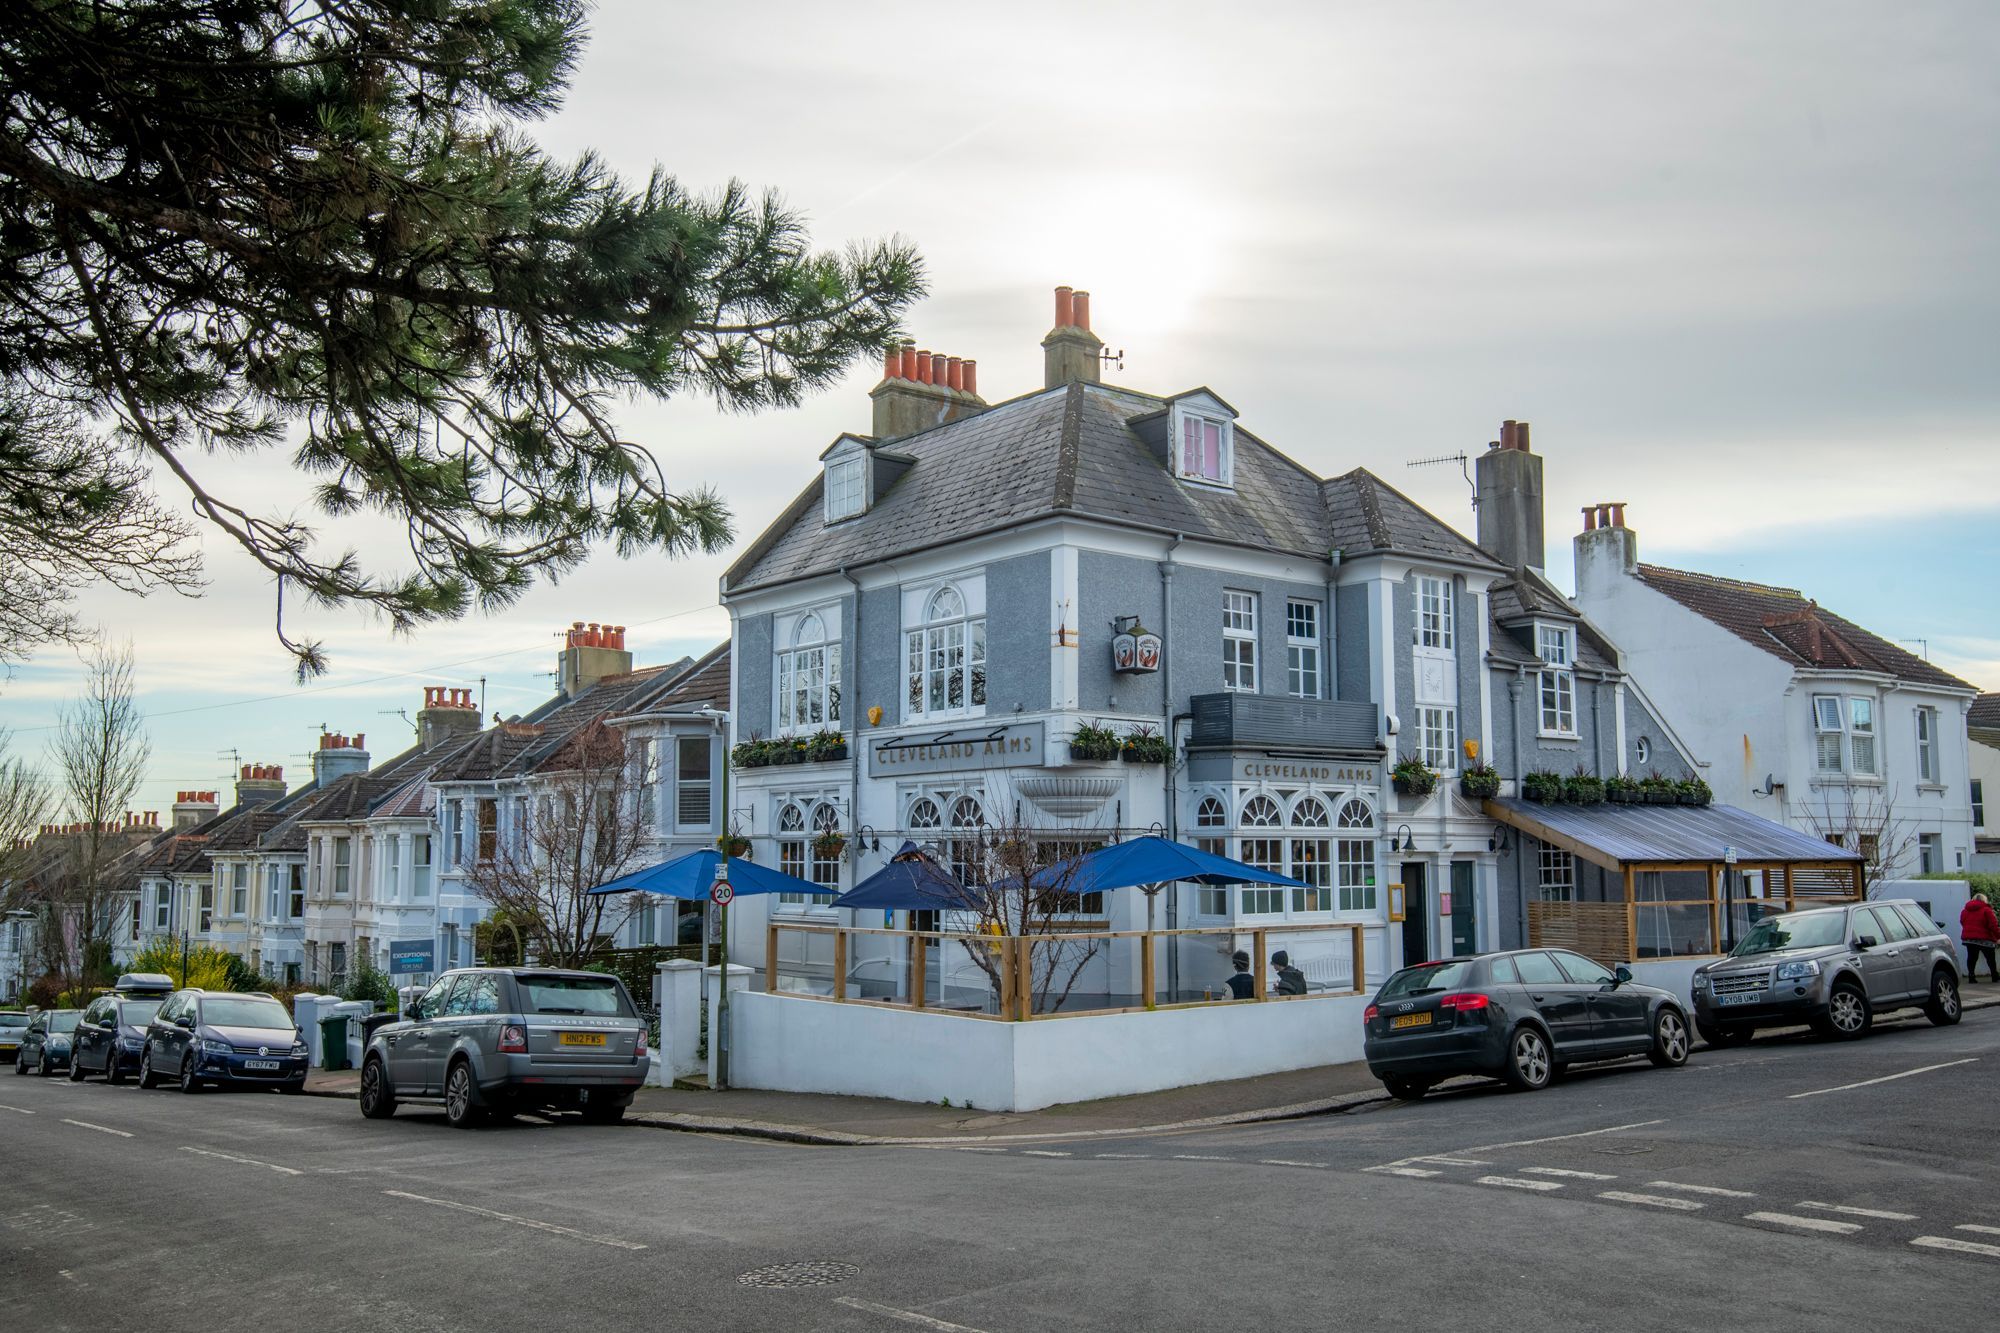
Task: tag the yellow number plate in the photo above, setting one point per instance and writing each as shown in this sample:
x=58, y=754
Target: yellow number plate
x=595, y=1038
x=1410, y=1021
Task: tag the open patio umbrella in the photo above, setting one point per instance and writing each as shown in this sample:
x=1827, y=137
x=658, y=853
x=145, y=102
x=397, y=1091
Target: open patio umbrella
x=692, y=874
x=1148, y=861
x=912, y=881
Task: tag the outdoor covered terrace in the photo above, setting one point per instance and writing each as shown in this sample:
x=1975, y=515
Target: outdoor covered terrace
x=1678, y=881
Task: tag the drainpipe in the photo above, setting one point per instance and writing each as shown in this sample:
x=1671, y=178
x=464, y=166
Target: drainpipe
x=1173, y=719
x=854, y=750
x=1514, y=690
x=1596, y=729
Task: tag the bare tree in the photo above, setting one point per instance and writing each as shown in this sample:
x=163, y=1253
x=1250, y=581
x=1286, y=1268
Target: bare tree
x=1018, y=883
x=24, y=807
x=586, y=824
x=1864, y=820
x=101, y=752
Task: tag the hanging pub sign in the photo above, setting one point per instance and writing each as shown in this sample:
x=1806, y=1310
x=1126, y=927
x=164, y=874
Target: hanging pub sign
x=1134, y=648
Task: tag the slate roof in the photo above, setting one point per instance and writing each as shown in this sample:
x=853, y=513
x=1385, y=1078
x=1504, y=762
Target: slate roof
x=535, y=740
x=1984, y=715
x=705, y=684
x=1074, y=450
x=1526, y=595
x=1790, y=626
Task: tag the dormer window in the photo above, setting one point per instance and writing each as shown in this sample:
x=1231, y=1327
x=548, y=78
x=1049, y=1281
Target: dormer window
x=1205, y=449
x=846, y=491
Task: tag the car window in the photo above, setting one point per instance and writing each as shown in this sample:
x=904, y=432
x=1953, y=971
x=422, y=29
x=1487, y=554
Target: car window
x=461, y=996
x=483, y=995
x=432, y=1003
x=1582, y=971
x=1805, y=930
x=13, y=1021
x=575, y=995
x=138, y=1013
x=1538, y=969
x=1919, y=923
x=1425, y=980
x=1894, y=928
x=64, y=1022
x=244, y=1011
x=1503, y=973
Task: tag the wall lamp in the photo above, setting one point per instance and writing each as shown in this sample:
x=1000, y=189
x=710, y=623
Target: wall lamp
x=1498, y=842
x=866, y=837
x=1401, y=841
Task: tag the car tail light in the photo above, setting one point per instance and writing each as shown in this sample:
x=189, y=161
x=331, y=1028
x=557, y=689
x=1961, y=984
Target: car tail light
x=1368, y=1015
x=1464, y=1001
x=513, y=1040
x=640, y=1049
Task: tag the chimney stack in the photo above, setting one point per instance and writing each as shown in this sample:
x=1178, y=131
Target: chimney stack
x=1509, y=480
x=339, y=756
x=922, y=389
x=258, y=783
x=448, y=711
x=1606, y=549
x=194, y=807
x=1071, y=353
x=590, y=653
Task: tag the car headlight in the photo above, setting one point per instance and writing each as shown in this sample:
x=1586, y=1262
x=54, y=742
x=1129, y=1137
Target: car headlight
x=1808, y=967
x=1701, y=981
x=300, y=1048
x=209, y=1047
x=129, y=1042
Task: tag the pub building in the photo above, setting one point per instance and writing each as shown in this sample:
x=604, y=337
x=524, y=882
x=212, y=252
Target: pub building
x=1090, y=612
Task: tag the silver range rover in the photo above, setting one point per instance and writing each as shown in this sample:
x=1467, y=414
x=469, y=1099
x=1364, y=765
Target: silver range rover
x=1834, y=968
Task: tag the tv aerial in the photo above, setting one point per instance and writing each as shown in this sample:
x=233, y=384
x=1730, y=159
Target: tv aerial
x=1464, y=461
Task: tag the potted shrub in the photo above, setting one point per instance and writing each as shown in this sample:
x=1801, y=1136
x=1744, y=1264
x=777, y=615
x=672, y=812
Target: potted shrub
x=823, y=746
x=753, y=753
x=1693, y=791
x=1094, y=744
x=733, y=843
x=1479, y=781
x=829, y=845
x=1583, y=787
x=1657, y=789
x=1411, y=778
x=1542, y=785
x=1621, y=790
x=1142, y=746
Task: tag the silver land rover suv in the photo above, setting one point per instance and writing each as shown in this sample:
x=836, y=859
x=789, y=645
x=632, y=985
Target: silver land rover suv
x=1834, y=968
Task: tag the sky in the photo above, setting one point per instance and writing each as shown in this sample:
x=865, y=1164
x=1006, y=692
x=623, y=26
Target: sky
x=1738, y=265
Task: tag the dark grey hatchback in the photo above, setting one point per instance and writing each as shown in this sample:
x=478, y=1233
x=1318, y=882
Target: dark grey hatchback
x=1519, y=1016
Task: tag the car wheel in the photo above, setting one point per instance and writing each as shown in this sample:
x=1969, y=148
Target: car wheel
x=1847, y=1014
x=113, y=1071
x=1529, y=1065
x=20, y=1063
x=1943, y=1008
x=147, y=1078
x=1406, y=1089
x=189, y=1083
x=75, y=1070
x=460, y=1110
x=1670, y=1040
x=42, y=1066
x=377, y=1101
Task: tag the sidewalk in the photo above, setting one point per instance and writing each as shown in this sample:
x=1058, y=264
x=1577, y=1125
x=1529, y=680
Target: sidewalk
x=820, y=1118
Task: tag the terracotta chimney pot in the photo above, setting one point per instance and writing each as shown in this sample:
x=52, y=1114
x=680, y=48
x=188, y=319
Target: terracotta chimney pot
x=1080, y=308
x=1065, y=308
x=1589, y=518
x=909, y=359
x=954, y=373
x=1521, y=437
x=970, y=371
x=892, y=363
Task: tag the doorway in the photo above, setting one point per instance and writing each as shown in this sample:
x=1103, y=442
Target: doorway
x=1416, y=914
x=1464, y=909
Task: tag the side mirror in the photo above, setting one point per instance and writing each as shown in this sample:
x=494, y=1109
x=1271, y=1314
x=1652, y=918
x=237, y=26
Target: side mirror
x=184, y=1021
x=1865, y=942
x=1622, y=973
x=416, y=1011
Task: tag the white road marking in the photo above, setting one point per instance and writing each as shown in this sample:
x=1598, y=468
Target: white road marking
x=1565, y=1173
x=1450, y=1161
x=1280, y=1161
x=1852, y=1211
x=102, y=1129
x=1200, y=1157
x=1653, y=1200
x=1825, y=1224
x=907, y=1316
x=550, y=1227
x=1558, y=1138
x=1957, y=1246
x=1886, y=1078
x=17, y=1110
x=1402, y=1171
x=1043, y=1152
x=1699, y=1189
x=978, y=1150
x=1974, y=1226
x=1516, y=1183
x=247, y=1161
x=1125, y=1156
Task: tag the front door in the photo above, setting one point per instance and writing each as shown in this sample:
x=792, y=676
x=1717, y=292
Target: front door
x=1416, y=915
x=1464, y=931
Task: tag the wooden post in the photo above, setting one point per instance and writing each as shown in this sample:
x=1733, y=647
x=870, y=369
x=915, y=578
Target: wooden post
x=1006, y=957
x=919, y=947
x=1360, y=944
x=840, y=964
x=1631, y=918
x=771, y=959
x=1790, y=901
x=1146, y=969
x=1860, y=886
x=1714, y=907
x=1024, y=978
x=1257, y=963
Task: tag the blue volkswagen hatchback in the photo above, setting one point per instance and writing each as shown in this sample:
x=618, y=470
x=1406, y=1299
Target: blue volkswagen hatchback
x=203, y=1037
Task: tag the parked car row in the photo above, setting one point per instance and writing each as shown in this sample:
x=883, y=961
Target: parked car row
x=1524, y=1015
x=191, y=1037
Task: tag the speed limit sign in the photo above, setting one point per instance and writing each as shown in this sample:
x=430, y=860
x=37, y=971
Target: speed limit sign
x=721, y=893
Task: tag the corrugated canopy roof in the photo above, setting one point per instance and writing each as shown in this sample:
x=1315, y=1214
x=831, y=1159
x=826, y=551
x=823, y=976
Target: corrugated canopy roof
x=1616, y=836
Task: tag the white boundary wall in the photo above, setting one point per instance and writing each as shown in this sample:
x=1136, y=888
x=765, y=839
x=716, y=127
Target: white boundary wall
x=789, y=1044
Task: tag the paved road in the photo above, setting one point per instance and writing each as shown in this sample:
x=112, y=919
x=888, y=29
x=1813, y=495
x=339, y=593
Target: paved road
x=1784, y=1183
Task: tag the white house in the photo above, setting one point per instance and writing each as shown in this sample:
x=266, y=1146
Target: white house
x=1983, y=743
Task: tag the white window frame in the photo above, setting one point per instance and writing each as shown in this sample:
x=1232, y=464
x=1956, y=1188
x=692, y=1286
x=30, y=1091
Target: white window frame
x=1211, y=823
x=1354, y=857
x=1239, y=641
x=806, y=675
x=341, y=856
x=1437, y=737
x=1829, y=733
x=239, y=890
x=1930, y=853
x=1863, y=749
x=1309, y=853
x=945, y=639
x=1437, y=613
x=1267, y=832
x=420, y=866
x=846, y=488
x=686, y=787
x=1556, y=646
x=1302, y=647
x=646, y=781
x=1927, y=746
x=392, y=867
x=1556, y=878
x=1224, y=429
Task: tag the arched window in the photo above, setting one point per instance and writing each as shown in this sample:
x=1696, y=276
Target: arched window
x=792, y=849
x=809, y=677
x=1266, y=853
x=1310, y=812
x=1210, y=814
x=924, y=814
x=1354, y=813
x=825, y=868
x=946, y=664
x=1354, y=858
x=1261, y=812
x=1312, y=857
x=966, y=863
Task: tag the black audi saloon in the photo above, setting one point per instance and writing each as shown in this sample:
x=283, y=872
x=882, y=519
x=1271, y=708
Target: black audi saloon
x=1520, y=1016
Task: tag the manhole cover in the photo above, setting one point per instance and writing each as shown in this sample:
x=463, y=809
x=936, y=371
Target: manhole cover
x=808, y=1273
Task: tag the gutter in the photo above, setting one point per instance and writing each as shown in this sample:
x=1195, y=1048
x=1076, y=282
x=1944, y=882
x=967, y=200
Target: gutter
x=854, y=749
x=1172, y=734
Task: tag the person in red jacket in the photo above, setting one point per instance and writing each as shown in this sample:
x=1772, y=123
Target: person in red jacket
x=1979, y=927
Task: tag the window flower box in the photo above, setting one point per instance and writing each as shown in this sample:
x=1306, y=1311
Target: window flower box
x=1479, y=782
x=1693, y=791
x=1542, y=786
x=1143, y=747
x=1658, y=789
x=1410, y=777
x=1583, y=788
x=1621, y=791
x=1095, y=745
